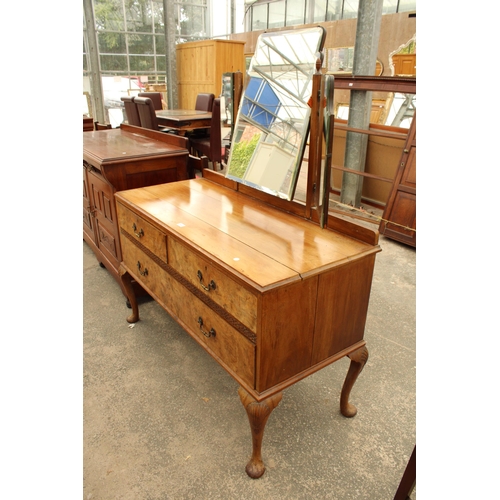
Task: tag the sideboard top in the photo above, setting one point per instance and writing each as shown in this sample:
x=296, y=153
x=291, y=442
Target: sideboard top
x=115, y=145
x=260, y=243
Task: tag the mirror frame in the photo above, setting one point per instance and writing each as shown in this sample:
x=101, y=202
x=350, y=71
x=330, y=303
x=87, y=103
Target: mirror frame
x=275, y=110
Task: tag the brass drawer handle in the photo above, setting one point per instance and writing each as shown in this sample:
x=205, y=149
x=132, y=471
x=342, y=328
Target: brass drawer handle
x=209, y=334
x=140, y=233
x=142, y=273
x=211, y=285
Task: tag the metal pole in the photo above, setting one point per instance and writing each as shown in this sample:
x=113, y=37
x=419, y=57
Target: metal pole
x=365, y=58
x=96, y=93
x=169, y=13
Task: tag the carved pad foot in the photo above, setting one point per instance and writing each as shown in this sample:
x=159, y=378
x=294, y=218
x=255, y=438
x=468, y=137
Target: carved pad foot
x=258, y=413
x=358, y=361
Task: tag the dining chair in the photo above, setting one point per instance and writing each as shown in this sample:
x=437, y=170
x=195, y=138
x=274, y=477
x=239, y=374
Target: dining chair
x=102, y=126
x=147, y=115
x=210, y=146
x=156, y=97
x=131, y=111
x=204, y=102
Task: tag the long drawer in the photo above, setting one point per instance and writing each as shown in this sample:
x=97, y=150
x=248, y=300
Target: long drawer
x=203, y=274
x=233, y=350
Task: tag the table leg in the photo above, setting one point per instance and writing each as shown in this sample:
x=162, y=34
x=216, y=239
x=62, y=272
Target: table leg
x=126, y=281
x=258, y=413
x=358, y=360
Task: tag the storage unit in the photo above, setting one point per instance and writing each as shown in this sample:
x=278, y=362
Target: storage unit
x=272, y=297
x=200, y=66
x=117, y=159
x=400, y=215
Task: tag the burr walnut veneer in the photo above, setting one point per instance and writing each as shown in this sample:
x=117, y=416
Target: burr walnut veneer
x=271, y=296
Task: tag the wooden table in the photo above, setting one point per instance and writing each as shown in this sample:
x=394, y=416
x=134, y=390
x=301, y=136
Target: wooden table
x=184, y=119
x=117, y=159
x=272, y=297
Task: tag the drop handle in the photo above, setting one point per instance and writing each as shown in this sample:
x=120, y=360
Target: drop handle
x=209, y=334
x=211, y=285
x=142, y=273
x=140, y=233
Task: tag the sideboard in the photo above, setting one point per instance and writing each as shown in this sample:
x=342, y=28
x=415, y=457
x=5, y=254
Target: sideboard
x=271, y=296
x=117, y=159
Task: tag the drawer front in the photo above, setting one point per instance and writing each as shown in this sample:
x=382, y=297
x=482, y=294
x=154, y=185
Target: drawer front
x=224, y=291
x=227, y=345
x=145, y=233
x=231, y=348
x=146, y=271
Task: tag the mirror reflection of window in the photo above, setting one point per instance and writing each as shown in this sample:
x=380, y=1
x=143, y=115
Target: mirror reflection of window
x=272, y=124
x=277, y=14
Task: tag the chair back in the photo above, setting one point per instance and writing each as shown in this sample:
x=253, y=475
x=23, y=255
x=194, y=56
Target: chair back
x=131, y=111
x=154, y=96
x=215, y=133
x=146, y=112
x=204, y=102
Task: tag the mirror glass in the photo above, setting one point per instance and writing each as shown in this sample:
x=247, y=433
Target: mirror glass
x=273, y=118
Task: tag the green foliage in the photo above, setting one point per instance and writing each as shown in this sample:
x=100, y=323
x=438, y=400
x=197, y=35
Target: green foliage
x=241, y=155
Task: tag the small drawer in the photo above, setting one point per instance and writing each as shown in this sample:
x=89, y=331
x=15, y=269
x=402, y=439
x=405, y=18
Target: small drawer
x=142, y=231
x=147, y=272
x=223, y=290
x=227, y=345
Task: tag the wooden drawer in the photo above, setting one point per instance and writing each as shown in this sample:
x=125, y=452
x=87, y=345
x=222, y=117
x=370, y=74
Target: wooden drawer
x=226, y=292
x=146, y=271
x=227, y=345
x=145, y=233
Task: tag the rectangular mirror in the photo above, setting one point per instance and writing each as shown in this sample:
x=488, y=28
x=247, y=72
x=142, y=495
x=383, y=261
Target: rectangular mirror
x=272, y=126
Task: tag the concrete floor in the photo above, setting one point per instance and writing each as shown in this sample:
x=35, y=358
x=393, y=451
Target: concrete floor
x=162, y=420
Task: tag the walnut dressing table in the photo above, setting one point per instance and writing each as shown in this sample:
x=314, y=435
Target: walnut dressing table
x=271, y=296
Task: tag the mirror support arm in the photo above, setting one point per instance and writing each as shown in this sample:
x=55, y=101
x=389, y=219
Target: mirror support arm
x=315, y=142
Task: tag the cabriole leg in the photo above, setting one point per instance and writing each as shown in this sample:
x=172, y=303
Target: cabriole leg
x=358, y=361
x=127, y=285
x=258, y=413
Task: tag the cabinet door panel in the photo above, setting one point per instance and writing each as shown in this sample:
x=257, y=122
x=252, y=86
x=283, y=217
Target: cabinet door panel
x=88, y=226
x=105, y=217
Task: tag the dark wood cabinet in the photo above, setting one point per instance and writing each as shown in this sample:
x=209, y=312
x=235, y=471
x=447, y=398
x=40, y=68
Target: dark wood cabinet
x=118, y=159
x=400, y=217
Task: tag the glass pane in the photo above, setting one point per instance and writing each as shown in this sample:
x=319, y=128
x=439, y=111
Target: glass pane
x=109, y=15
x=407, y=5
x=295, y=11
x=277, y=14
x=114, y=63
x=161, y=63
x=192, y=21
x=334, y=12
x=340, y=60
x=140, y=44
x=259, y=17
x=389, y=6
x=158, y=16
x=160, y=44
x=113, y=43
x=142, y=64
x=350, y=9
x=139, y=15
x=316, y=11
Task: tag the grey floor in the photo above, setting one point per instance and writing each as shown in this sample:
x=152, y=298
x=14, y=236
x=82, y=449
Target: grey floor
x=162, y=420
